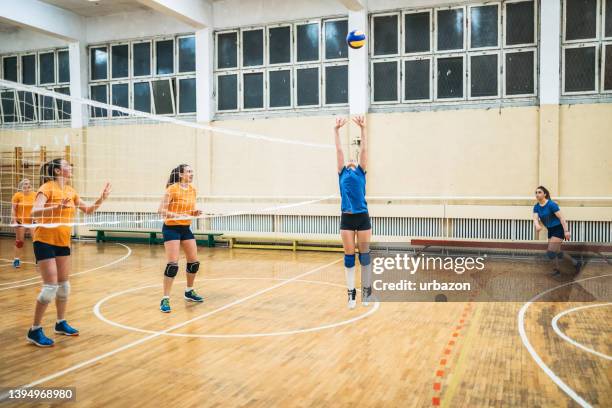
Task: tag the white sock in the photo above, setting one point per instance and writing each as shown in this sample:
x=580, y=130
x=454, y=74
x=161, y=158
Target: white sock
x=34, y=327
x=60, y=320
x=165, y=297
x=187, y=289
x=366, y=275
x=350, y=277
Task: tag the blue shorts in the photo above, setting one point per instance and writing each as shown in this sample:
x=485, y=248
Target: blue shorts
x=556, y=231
x=177, y=233
x=44, y=251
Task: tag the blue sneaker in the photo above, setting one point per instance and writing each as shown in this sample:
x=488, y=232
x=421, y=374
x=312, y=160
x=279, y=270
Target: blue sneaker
x=164, y=306
x=37, y=337
x=64, y=328
x=17, y=263
x=192, y=296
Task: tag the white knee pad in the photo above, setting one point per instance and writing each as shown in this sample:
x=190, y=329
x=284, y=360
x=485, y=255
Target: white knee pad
x=47, y=293
x=63, y=290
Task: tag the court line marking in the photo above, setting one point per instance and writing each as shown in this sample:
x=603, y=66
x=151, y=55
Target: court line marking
x=573, y=342
x=521, y=328
x=176, y=326
x=100, y=316
x=11, y=261
x=129, y=252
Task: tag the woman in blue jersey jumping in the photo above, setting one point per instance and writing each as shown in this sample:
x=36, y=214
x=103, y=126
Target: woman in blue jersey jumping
x=547, y=212
x=355, y=220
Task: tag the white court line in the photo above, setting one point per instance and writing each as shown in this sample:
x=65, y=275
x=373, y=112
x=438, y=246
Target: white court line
x=176, y=326
x=521, y=328
x=567, y=338
x=129, y=252
x=100, y=316
x=11, y=261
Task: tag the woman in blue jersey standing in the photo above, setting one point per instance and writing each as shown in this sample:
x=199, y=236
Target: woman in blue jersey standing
x=355, y=220
x=548, y=213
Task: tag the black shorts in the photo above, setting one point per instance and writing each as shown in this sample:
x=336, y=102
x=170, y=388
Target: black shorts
x=556, y=231
x=44, y=251
x=177, y=233
x=355, y=222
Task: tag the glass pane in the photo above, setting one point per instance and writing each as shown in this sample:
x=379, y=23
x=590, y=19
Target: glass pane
x=120, y=97
x=417, y=35
x=519, y=73
x=187, y=92
x=483, y=25
x=280, y=88
x=119, y=61
x=608, y=73
x=63, y=66
x=581, y=19
x=164, y=57
x=417, y=75
x=307, y=86
x=385, y=35
x=227, y=50
x=385, y=81
x=28, y=69
x=9, y=108
x=308, y=42
x=252, y=48
x=336, y=84
x=162, y=97
x=47, y=108
x=227, y=92
x=450, y=77
x=99, y=60
x=484, y=75
x=252, y=90
x=26, y=106
x=580, y=69
x=142, y=59
x=450, y=29
x=10, y=68
x=520, y=23
x=142, y=97
x=64, y=108
x=335, y=39
x=187, y=56
x=608, y=17
x=98, y=94
x=47, y=68
x=279, y=43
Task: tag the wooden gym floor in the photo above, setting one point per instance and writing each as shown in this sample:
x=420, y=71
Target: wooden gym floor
x=274, y=330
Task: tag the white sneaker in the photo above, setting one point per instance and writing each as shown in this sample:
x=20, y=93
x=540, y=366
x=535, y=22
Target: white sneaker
x=352, y=295
x=366, y=294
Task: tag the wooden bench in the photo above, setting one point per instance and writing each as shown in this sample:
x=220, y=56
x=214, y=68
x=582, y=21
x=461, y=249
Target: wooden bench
x=101, y=236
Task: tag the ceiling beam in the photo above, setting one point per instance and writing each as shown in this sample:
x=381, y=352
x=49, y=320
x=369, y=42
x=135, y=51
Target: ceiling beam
x=196, y=13
x=44, y=18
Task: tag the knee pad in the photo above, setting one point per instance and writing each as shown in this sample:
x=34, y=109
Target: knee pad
x=47, y=293
x=171, y=269
x=551, y=255
x=349, y=260
x=364, y=259
x=560, y=255
x=19, y=243
x=63, y=290
x=193, y=267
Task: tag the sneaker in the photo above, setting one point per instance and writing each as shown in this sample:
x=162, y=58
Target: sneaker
x=352, y=294
x=366, y=293
x=164, y=306
x=192, y=296
x=37, y=337
x=64, y=328
x=17, y=263
x=578, y=266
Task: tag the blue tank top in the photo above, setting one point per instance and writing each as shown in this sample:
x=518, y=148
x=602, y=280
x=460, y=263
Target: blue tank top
x=353, y=190
x=547, y=213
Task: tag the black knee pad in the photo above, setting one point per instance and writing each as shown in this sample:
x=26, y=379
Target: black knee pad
x=193, y=267
x=171, y=270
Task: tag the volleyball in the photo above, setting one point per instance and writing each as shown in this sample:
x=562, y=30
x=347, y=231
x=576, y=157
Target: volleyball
x=356, y=39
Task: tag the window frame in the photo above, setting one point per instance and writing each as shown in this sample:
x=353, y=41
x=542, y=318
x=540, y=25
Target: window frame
x=372, y=87
x=603, y=22
x=40, y=113
x=178, y=95
x=323, y=46
x=36, y=107
x=174, y=57
x=372, y=55
x=295, y=42
x=535, y=72
x=463, y=55
x=177, y=41
x=57, y=74
x=267, y=45
x=16, y=104
x=498, y=71
x=403, y=31
x=91, y=80
x=603, y=67
x=241, y=89
x=137, y=81
x=216, y=51
x=110, y=63
x=17, y=66
x=241, y=65
x=596, y=46
x=295, y=87
x=436, y=25
x=108, y=114
x=323, y=86
x=131, y=73
x=291, y=86
x=536, y=19
x=38, y=66
x=598, y=20
x=500, y=26
x=216, y=86
x=110, y=98
x=429, y=57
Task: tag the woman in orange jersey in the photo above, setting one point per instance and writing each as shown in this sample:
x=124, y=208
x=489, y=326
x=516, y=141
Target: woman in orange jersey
x=21, y=215
x=177, y=207
x=54, y=209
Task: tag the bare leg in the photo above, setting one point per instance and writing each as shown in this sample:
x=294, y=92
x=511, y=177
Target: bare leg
x=63, y=274
x=19, y=236
x=48, y=272
x=191, y=252
x=172, y=255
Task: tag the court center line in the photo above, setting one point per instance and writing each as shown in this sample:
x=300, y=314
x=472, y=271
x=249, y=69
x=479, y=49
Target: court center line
x=536, y=357
x=129, y=252
x=573, y=342
x=176, y=326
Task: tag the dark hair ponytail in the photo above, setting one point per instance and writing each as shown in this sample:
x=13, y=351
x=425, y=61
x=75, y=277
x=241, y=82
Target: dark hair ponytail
x=175, y=174
x=47, y=170
x=545, y=190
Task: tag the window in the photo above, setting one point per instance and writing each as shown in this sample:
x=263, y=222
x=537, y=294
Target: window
x=586, y=44
x=9, y=65
x=120, y=97
x=64, y=108
x=163, y=96
x=186, y=54
x=120, y=61
x=46, y=73
x=187, y=95
x=142, y=96
x=282, y=66
x=141, y=59
x=164, y=57
x=480, y=51
x=63, y=67
x=99, y=93
x=28, y=69
x=27, y=106
x=99, y=63
x=9, y=106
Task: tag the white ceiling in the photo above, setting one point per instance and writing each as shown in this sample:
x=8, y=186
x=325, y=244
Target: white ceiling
x=98, y=8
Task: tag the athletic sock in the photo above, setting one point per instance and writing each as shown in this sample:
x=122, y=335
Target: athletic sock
x=34, y=327
x=188, y=289
x=350, y=277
